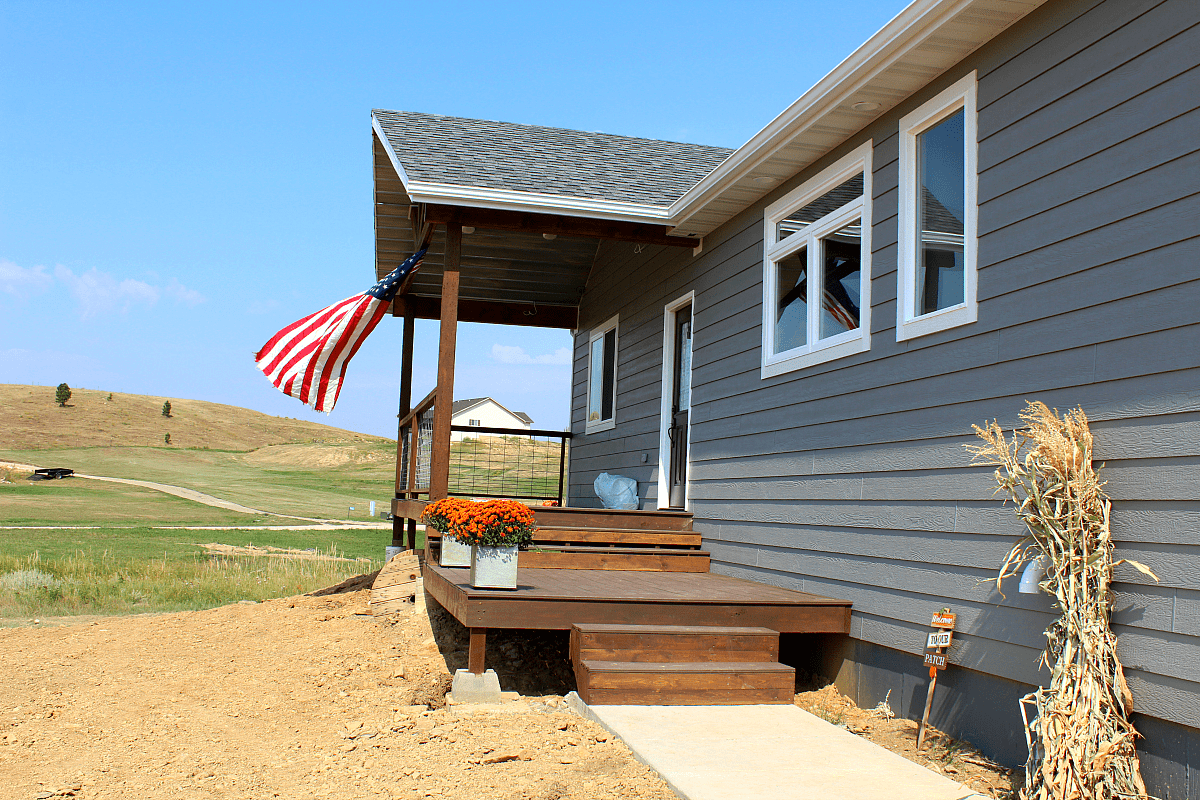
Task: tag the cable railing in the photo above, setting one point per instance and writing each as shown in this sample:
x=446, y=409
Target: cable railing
x=510, y=463
x=416, y=461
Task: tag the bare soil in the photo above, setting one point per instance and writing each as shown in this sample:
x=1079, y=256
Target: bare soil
x=941, y=753
x=305, y=697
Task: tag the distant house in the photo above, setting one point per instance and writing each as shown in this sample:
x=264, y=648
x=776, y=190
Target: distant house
x=484, y=412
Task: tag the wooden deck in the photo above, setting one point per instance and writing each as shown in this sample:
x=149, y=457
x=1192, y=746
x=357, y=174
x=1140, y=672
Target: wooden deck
x=554, y=599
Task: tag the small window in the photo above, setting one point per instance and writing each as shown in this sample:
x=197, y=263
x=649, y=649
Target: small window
x=602, y=377
x=473, y=422
x=816, y=268
x=937, y=217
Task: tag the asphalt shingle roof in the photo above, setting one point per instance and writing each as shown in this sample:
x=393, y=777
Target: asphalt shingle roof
x=531, y=158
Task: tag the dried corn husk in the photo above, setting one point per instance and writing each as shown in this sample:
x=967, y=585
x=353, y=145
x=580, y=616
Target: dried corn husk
x=1081, y=742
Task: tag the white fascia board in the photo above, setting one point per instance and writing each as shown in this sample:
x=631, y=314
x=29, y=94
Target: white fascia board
x=509, y=200
x=387, y=146
x=898, y=37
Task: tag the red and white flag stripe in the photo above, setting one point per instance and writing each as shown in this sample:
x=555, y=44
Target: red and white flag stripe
x=308, y=359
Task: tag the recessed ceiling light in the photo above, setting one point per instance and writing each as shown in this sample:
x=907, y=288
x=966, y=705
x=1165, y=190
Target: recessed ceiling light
x=865, y=106
x=764, y=180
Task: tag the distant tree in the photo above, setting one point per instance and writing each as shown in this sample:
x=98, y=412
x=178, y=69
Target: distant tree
x=167, y=409
x=110, y=397
x=166, y=438
x=62, y=394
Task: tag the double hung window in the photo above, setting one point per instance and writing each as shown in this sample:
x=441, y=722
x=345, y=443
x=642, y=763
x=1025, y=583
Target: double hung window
x=816, y=268
x=602, y=377
x=937, y=214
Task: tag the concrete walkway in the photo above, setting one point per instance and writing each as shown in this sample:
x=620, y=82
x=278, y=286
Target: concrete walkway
x=779, y=752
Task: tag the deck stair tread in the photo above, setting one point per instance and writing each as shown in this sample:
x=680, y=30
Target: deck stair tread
x=592, y=548
x=610, y=535
x=551, y=517
x=686, y=666
x=608, y=627
x=679, y=665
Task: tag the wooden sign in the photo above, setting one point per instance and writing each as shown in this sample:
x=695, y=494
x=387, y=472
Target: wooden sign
x=939, y=639
x=936, y=644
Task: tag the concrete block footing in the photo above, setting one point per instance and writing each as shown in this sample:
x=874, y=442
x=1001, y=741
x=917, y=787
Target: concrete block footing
x=471, y=688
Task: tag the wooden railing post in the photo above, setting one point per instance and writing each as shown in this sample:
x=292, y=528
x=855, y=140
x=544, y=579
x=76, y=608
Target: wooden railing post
x=439, y=473
x=406, y=359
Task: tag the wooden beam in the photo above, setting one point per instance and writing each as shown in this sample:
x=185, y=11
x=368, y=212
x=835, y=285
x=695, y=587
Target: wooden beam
x=422, y=228
x=477, y=651
x=529, y=314
x=557, y=224
x=406, y=362
x=439, y=468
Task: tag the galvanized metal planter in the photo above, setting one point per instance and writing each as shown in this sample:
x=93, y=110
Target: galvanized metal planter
x=455, y=553
x=494, y=567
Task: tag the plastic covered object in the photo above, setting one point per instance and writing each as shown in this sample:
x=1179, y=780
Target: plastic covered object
x=616, y=491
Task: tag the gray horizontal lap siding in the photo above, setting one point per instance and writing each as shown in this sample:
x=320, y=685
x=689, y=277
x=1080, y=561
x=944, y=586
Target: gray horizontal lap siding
x=849, y=478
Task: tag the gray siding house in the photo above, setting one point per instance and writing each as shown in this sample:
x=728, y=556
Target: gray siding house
x=994, y=201
x=848, y=478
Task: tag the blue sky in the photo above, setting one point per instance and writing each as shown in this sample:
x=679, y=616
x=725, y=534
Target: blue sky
x=179, y=181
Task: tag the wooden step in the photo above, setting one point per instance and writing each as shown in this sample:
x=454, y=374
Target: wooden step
x=687, y=684
x=608, y=518
x=672, y=643
x=635, y=559
x=627, y=537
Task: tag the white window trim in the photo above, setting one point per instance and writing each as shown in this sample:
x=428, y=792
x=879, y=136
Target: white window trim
x=961, y=95
x=849, y=342
x=668, y=390
x=598, y=333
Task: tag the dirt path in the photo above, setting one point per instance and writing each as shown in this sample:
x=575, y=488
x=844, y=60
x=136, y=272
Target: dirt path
x=193, y=495
x=299, y=698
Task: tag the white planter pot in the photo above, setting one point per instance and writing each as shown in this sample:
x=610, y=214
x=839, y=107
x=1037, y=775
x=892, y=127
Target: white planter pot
x=455, y=553
x=494, y=567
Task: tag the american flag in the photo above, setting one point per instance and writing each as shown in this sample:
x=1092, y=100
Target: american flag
x=308, y=359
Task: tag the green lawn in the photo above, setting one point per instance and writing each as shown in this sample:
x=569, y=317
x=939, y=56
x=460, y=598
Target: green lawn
x=59, y=572
x=78, y=501
x=320, y=481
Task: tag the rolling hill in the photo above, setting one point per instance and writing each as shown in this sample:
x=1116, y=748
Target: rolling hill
x=31, y=420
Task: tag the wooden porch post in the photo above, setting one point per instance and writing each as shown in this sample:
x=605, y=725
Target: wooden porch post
x=439, y=473
x=406, y=359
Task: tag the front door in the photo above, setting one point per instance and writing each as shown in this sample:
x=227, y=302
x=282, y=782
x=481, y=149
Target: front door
x=681, y=401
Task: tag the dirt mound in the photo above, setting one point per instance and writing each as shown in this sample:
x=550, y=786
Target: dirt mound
x=954, y=758
x=302, y=698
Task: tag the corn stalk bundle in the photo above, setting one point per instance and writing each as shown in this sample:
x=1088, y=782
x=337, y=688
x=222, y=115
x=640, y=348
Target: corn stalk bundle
x=1081, y=742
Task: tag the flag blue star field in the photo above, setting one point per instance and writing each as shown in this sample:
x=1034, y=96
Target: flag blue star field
x=308, y=359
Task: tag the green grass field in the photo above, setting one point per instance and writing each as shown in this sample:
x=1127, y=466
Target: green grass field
x=49, y=573
x=78, y=501
x=307, y=480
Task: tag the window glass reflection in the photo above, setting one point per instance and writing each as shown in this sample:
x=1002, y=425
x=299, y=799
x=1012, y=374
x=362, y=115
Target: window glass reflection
x=941, y=164
x=841, y=281
x=791, y=316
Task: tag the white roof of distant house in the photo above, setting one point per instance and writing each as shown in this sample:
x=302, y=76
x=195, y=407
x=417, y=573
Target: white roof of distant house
x=465, y=405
